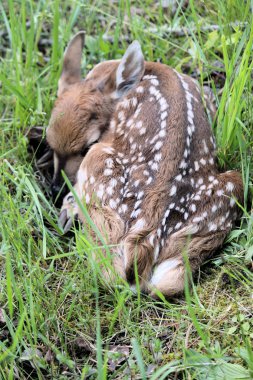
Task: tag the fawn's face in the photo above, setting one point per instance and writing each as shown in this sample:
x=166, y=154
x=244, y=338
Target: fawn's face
x=80, y=116
x=83, y=110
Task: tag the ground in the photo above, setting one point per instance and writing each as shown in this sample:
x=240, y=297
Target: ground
x=57, y=321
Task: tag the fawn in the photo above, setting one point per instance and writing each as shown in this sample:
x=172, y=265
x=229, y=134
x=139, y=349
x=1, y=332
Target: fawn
x=151, y=184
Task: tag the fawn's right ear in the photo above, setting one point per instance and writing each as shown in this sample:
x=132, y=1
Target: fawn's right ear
x=130, y=69
x=71, y=70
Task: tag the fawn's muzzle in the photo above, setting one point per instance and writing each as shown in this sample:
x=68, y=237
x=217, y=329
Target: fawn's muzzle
x=58, y=192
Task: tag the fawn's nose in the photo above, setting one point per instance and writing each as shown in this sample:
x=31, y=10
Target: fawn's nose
x=57, y=193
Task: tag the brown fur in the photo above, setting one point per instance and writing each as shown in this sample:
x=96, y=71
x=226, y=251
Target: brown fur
x=185, y=183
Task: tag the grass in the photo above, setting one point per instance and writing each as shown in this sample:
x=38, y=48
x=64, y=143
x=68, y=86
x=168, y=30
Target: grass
x=57, y=321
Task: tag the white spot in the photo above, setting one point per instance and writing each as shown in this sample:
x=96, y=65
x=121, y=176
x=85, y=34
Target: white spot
x=189, y=130
x=108, y=150
x=158, y=157
x=138, y=225
x=185, y=85
x=140, y=89
x=203, y=161
x=155, y=82
x=100, y=191
x=156, y=252
x=135, y=213
x=121, y=116
x=154, y=166
x=143, y=130
x=230, y=186
x=173, y=190
x=163, y=104
x=92, y=180
x=210, y=178
x=112, y=125
x=112, y=204
x=110, y=190
x=186, y=215
x=164, y=115
x=87, y=198
x=232, y=202
x=190, y=115
x=133, y=146
x=171, y=206
x=124, y=207
x=158, y=145
x=214, y=208
x=151, y=239
x=108, y=172
x=109, y=162
x=212, y=226
x=82, y=175
x=152, y=90
x=167, y=212
x=206, y=150
x=163, y=124
x=140, y=194
x=162, y=133
x=219, y=192
x=134, y=101
x=139, y=124
x=161, y=272
x=129, y=123
x=196, y=165
x=137, y=204
x=178, y=225
x=178, y=177
x=149, y=180
x=192, y=207
x=150, y=77
x=183, y=165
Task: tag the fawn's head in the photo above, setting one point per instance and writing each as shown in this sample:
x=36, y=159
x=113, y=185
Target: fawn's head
x=83, y=109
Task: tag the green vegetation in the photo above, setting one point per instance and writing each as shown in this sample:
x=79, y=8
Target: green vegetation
x=56, y=320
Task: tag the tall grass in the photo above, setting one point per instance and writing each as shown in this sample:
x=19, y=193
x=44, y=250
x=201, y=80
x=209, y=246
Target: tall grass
x=57, y=321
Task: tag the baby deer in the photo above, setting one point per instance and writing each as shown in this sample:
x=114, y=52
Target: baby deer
x=151, y=184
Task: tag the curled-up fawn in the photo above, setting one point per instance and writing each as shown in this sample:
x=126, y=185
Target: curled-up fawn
x=151, y=184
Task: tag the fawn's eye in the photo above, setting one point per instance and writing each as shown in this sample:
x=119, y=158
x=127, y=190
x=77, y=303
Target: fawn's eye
x=86, y=148
x=93, y=116
x=84, y=151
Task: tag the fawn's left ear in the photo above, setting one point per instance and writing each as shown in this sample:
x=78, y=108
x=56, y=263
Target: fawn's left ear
x=71, y=70
x=130, y=69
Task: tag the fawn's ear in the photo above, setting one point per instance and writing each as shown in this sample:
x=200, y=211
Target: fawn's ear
x=130, y=69
x=71, y=70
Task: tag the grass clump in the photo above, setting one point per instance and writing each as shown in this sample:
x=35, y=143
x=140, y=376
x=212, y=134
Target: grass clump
x=56, y=320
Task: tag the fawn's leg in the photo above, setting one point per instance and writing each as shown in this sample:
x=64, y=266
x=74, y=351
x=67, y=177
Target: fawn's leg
x=97, y=186
x=214, y=213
